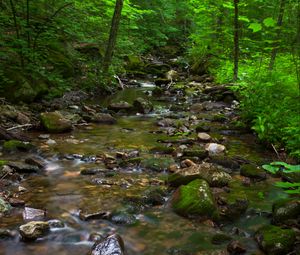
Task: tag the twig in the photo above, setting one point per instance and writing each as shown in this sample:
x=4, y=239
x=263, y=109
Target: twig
x=122, y=85
x=19, y=126
x=278, y=156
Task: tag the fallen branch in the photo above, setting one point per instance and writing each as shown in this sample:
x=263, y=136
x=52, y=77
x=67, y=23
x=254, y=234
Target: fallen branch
x=19, y=126
x=122, y=85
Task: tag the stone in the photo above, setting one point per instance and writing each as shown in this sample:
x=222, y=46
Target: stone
x=54, y=122
x=103, y=118
x=6, y=234
x=36, y=161
x=34, y=230
x=204, y=137
x=274, y=240
x=92, y=171
x=224, y=161
x=5, y=207
x=165, y=123
x=15, y=202
x=209, y=172
x=142, y=105
x=162, y=150
x=236, y=248
x=22, y=119
x=158, y=164
x=23, y=167
x=214, y=148
x=119, y=106
x=154, y=196
x=94, y=216
x=202, y=127
x=220, y=238
x=194, y=199
x=232, y=211
x=200, y=153
x=286, y=210
x=197, y=108
x=56, y=224
x=112, y=245
x=253, y=172
x=30, y=214
x=15, y=145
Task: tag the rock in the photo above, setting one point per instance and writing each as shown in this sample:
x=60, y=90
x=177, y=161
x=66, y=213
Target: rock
x=286, y=210
x=204, y=137
x=54, y=122
x=224, y=161
x=44, y=136
x=154, y=196
x=5, y=207
x=290, y=177
x=199, y=153
x=92, y=171
x=51, y=142
x=103, y=118
x=22, y=119
x=36, y=161
x=5, y=172
x=56, y=224
x=112, y=245
x=275, y=240
x=23, y=167
x=197, y=108
x=165, y=123
x=30, y=214
x=194, y=199
x=123, y=218
x=158, y=164
x=162, y=150
x=220, y=238
x=202, y=128
x=15, y=202
x=15, y=145
x=161, y=81
x=142, y=105
x=253, y=172
x=214, y=148
x=34, y=230
x=6, y=234
x=209, y=172
x=235, y=248
x=119, y=106
x=232, y=211
x=94, y=216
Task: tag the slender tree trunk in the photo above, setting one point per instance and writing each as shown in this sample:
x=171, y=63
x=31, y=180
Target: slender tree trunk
x=279, y=24
x=28, y=22
x=236, y=40
x=113, y=35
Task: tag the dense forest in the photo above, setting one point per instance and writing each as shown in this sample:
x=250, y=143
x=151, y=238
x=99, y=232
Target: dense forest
x=221, y=79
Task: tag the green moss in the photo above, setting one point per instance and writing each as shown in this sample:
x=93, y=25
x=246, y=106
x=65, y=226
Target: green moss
x=286, y=209
x=15, y=145
x=4, y=206
x=131, y=161
x=3, y=162
x=163, y=149
x=220, y=238
x=158, y=164
x=252, y=171
x=195, y=198
x=54, y=122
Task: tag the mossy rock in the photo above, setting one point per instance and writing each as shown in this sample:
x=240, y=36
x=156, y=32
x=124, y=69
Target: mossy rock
x=134, y=63
x=200, y=153
x=5, y=207
x=253, y=172
x=162, y=149
x=54, y=122
x=15, y=145
x=142, y=105
x=285, y=210
x=220, y=238
x=158, y=164
x=131, y=161
x=274, y=240
x=202, y=128
x=194, y=199
x=219, y=118
x=3, y=162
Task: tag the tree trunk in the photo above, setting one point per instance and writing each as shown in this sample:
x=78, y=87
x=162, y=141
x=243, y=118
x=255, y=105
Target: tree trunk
x=28, y=22
x=113, y=35
x=279, y=24
x=236, y=40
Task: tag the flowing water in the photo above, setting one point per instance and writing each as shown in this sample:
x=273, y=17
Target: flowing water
x=63, y=191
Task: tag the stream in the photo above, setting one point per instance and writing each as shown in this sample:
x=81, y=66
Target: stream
x=155, y=229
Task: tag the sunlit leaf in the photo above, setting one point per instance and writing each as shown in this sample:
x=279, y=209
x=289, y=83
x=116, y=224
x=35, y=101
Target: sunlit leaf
x=269, y=22
x=255, y=27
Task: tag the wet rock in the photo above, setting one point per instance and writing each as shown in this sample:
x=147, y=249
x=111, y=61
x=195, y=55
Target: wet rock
x=103, y=118
x=204, y=137
x=215, y=149
x=199, y=153
x=131, y=162
x=165, y=123
x=142, y=105
x=220, y=238
x=236, y=248
x=96, y=237
x=5, y=172
x=4, y=207
x=6, y=234
x=94, y=216
x=157, y=91
x=34, y=230
x=209, y=172
x=22, y=119
x=157, y=164
x=120, y=106
x=224, y=161
x=253, y=172
x=154, y=196
x=161, y=81
x=286, y=211
x=15, y=202
x=113, y=245
x=54, y=122
x=162, y=150
x=219, y=118
x=197, y=108
x=30, y=214
x=275, y=240
x=56, y=224
x=202, y=128
x=92, y=171
x=194, y=199
x=44, y=136
x=15, y=145
x=232, y=211
x=36, y=161
x=123, y=218
x=23, y=167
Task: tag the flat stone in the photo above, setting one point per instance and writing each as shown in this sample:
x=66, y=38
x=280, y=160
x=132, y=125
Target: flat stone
x=23, y=167
x=36, y=161
x=94, y=216
x=33, y=214
x=204, y=137
x=214, y=148
x=112, y=245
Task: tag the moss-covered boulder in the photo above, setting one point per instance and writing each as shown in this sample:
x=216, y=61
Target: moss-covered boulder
x=134, y=63
x=197, y=152
x=120, y=106
x=274, y=240
x=142, y=105
x=16, y=145
x=286, y=211
x=253, y=172
x=158, y=164
x=209, y=172
x=194, y=199
x=54, y=122
x=34, y=230
x=4, y=206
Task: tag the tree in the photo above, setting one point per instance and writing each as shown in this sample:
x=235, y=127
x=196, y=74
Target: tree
x=236, y=40
x=113, y=35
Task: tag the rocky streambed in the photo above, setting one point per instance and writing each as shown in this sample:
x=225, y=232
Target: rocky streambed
x=147, y=171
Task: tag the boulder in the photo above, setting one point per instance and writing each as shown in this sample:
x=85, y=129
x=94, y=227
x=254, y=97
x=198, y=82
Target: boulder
x=36, y=161
x=142, y=105
x=54, y=122
x=4, y=206
x=197, y=152
x=209, y=172
x=23, y=167
x=112, y=245
x=119, y=106
x=274, y=240
x=158, y=164
x=194, y=199
x=286, y=210
x=215, y=149
x=15, y=145
x=204, y=137
x=34, y=230
x=253, y=172
x=103, y=118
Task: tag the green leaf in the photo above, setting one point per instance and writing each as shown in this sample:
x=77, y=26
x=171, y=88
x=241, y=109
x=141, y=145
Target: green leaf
x=244, y=18
x=228, y=5
x=255, y=27
x=269, y=22
x=271, y=169
x=287, y=185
